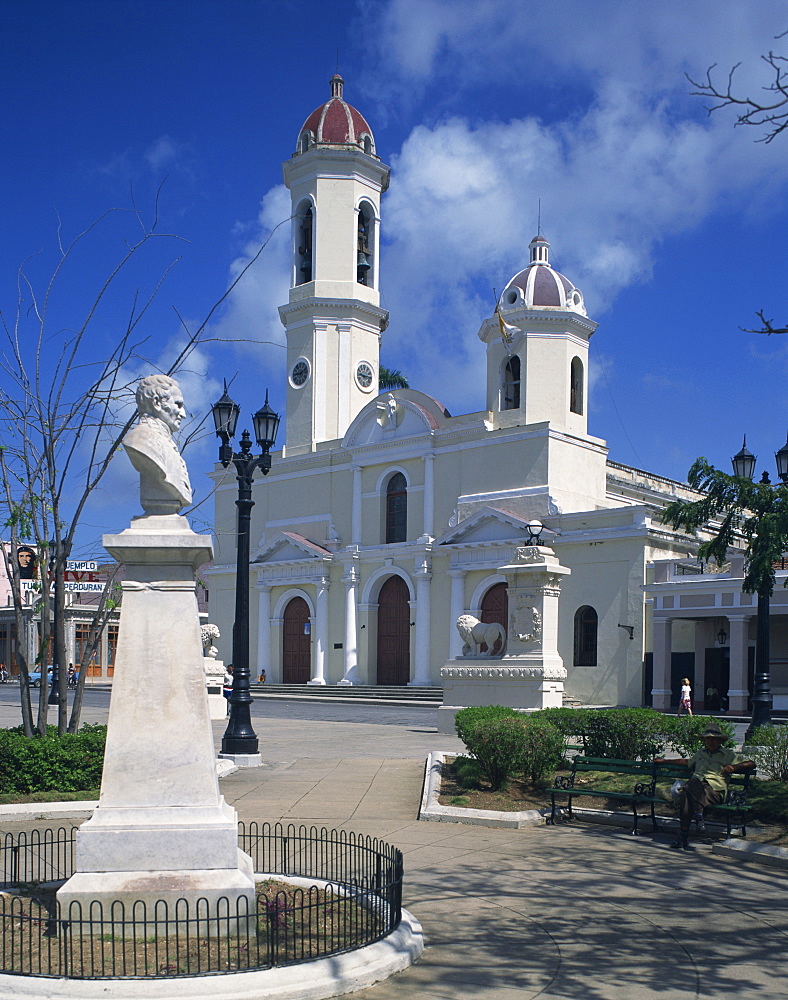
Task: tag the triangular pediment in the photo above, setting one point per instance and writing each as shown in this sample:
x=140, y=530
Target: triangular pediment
x=289, y=546
x=484, y=526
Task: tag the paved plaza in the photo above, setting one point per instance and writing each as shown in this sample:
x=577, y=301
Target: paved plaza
x=580, y=912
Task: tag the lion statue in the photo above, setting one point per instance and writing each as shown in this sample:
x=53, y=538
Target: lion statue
x=208, y=633
x=474, y=634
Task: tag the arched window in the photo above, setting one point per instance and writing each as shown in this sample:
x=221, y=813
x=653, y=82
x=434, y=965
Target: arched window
x=364, y=248
x=305, y=230
x=586, y=626
x=511, y=384
x=396, y=508
x=576, y=386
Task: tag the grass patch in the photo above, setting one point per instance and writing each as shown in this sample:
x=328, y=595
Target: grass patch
x=294, y=924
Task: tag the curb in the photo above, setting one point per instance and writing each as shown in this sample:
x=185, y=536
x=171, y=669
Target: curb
x=747, y=850
x=432, y=811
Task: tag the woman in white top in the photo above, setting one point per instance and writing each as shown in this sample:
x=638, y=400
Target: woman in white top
x=685, y=698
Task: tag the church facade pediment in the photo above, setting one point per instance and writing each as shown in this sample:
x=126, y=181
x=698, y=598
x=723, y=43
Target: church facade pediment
x=393, y=416
x=487, y=525
x=290, y=547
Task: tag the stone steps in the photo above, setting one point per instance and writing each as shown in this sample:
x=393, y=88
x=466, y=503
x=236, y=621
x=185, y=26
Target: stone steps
x=366, y=692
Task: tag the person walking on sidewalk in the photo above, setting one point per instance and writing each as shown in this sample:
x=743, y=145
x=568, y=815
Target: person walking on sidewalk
x=711, y=769
x=685, y=698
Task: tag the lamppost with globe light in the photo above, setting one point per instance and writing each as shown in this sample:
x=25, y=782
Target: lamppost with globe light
x=240, y=740
x=744, y=467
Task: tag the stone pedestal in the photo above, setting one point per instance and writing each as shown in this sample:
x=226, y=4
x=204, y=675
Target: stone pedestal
x=214, y=685
x=531, y=673
x=161, y=829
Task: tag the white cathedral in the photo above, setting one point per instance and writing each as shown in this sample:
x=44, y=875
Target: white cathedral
x=384, y=518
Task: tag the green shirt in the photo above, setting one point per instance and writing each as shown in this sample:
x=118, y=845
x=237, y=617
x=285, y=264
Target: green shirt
x=708, y=766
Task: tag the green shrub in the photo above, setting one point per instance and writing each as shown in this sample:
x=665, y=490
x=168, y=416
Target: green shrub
x=769, y=749
x=625, y=733
x=543, y=749
x=468, y=772
x=572, y=723
x=498, y=744
x=684, y=733
x=467, y=718
x=73, y=762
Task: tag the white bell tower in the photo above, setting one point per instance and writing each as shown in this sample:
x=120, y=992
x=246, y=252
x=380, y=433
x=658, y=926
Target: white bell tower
x=537, y=349
x=333, y=319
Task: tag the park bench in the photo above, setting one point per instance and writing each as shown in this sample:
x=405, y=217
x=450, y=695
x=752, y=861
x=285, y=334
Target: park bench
x=734, y=805
x=570, y=786
x=648, y=778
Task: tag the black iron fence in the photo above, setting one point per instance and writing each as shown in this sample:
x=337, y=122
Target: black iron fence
x=322, y=892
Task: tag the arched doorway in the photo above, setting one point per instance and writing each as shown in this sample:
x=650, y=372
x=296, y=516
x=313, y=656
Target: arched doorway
x=495, y=608
x=296, y=643
x=394, y=632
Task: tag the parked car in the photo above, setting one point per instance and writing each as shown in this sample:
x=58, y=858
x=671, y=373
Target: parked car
x=35, y=676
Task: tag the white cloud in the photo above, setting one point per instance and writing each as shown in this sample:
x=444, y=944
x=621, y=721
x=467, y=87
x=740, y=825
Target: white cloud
x=162, y=153
x=634, y=162
x=250, y=318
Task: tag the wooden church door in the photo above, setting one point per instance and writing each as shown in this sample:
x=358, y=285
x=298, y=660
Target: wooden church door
x=394, y=632
x=495, y=608
x=296, y=643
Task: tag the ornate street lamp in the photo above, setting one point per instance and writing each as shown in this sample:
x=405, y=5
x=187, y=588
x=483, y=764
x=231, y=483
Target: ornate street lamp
x=240, y=740
x=744, y=466
x=534, y=529
x=744, y=462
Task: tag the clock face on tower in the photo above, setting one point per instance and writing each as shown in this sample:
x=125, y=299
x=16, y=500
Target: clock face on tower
x=299, y=373
x=365, y=376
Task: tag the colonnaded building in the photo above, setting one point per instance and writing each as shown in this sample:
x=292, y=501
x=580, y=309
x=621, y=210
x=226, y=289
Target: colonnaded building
x=384, y=517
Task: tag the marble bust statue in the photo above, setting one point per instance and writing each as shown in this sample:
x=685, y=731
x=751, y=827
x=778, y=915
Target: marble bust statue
x=164, y=478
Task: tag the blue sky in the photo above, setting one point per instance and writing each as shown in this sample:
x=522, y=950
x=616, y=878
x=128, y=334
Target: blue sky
x=671, y=221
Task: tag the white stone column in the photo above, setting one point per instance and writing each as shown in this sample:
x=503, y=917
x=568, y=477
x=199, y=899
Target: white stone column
x=421, y=661
x=738, y=692
x=429, y=496
x=355, y=512
x=264, y=630
x=456, y=608
x=350, y=580
x=661, y=631
x=321, y=634
x=277, y=664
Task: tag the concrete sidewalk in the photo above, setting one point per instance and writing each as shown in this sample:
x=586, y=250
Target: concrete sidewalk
x=587, y=913
x=552, y=912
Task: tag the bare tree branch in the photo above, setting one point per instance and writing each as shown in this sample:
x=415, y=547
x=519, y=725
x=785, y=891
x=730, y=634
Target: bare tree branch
x=769, y=113
x=768, y=326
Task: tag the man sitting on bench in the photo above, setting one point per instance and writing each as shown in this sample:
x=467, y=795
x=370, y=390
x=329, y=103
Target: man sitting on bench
x=711, y=768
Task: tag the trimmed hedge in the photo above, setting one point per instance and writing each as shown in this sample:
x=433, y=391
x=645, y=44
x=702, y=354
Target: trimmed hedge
x=506, y=743
x=69, y=763
x=633, y=733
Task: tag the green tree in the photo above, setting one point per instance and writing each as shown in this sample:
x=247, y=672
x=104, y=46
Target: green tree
x=735, y=509
x=391, y=378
